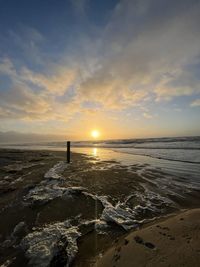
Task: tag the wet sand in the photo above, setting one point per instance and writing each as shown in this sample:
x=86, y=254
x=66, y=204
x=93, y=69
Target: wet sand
x=173, y=242
x=54, y=214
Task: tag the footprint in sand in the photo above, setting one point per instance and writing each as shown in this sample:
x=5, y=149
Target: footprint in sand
x=158, y=226
x=187, y=237
x=117, y=256
x=126, y=241
x=149, y=245
x=167, y=235
x=166, y=228
x=139, y=240
x=118, y=249
x=161, y=233
x=116, y=240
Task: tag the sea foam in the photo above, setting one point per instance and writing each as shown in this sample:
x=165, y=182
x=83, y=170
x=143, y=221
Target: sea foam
x=41, y=246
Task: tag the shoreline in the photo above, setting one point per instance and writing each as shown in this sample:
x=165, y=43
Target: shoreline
x=174, y=241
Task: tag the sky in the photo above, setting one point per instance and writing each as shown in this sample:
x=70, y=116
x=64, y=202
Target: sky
x=128, y=68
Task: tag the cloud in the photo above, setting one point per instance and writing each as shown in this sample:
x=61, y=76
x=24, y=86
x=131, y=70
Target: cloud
x=57, y=82
x=195, y=103
x=147, y=115
x=32, y=96
x=110, y=92
x=7, y=68
x=148, y=51
x=177, y=82
x=20, y=101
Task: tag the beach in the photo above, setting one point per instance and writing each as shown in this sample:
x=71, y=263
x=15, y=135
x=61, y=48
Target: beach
x=172, y=241
x=78, y=214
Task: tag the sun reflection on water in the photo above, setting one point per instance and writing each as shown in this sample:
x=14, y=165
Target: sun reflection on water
x=94, y=151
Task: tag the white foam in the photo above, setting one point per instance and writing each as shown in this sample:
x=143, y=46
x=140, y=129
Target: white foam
x=42, y=245
x=49, y=188
x=47, y=191
x=56, y=170
x=123, y=217
x=120, y=214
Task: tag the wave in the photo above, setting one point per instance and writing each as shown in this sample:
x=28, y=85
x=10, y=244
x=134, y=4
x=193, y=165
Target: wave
x=191, y=156
x=191, y=142
x=182, y=149
x=154, y=142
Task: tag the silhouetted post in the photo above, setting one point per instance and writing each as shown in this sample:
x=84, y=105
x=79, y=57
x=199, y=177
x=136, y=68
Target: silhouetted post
x=68, y=151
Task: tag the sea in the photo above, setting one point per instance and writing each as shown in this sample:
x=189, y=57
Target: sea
x=177, y=155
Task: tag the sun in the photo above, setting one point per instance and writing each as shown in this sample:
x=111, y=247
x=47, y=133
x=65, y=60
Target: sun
x=95, y=133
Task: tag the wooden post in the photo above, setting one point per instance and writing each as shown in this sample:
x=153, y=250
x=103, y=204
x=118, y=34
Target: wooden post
x=68, y=151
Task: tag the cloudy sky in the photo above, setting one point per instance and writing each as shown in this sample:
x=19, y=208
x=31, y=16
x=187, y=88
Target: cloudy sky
x=129, y=68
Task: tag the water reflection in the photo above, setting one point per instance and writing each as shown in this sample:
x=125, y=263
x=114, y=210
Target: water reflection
x=181, y=169
x=94, y=151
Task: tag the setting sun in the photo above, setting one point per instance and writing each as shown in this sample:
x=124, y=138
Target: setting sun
x=95, y=133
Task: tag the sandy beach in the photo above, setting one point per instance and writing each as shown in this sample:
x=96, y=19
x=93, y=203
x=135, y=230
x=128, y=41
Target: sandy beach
x=88, y=212
x=170, y=242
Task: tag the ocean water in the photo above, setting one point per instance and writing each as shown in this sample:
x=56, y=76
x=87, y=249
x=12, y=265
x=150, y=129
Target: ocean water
x=179, y=155
x=184, y=149
x=176, y=149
